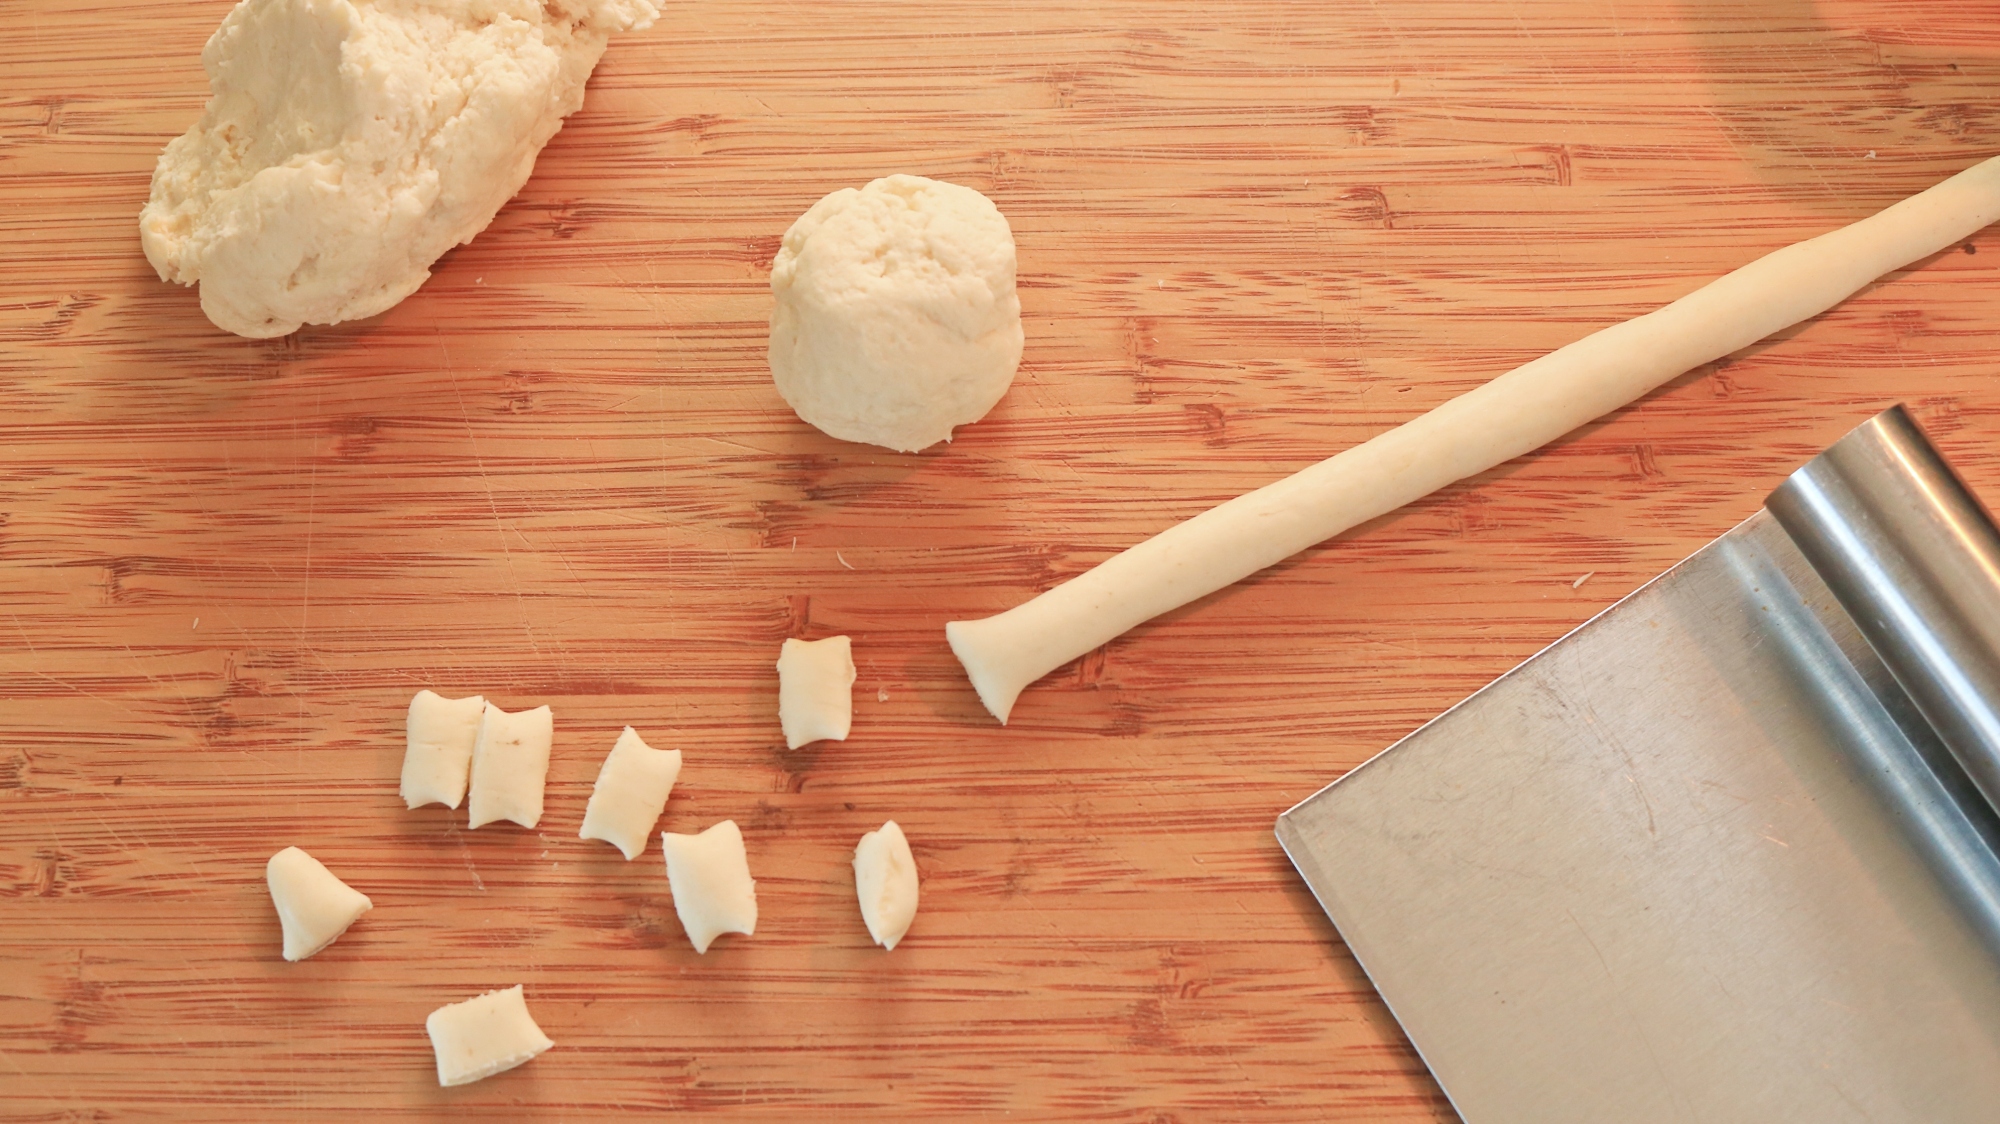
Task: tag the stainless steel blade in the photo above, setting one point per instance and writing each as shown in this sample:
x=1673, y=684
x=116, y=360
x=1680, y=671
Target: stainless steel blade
x=1703, y=859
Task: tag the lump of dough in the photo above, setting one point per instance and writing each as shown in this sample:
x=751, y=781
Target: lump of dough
x=896, y=315
x=439, y=755
x=630, y=793
x=816, y=690
x=710, y=878
x=510, y=761
x=313, y=906
x=349, y=143
x=885, y=878
x=485, y=1035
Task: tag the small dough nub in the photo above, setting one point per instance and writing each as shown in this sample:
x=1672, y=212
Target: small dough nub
x=313, y=906
x=510, y=762
x=485, y=1035
x=815, y=690
x=710, y=878
x=885, y=878
x=630, y=793
x=438, y=758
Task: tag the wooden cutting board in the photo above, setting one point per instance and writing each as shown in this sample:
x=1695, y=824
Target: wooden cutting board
x=1251, y=234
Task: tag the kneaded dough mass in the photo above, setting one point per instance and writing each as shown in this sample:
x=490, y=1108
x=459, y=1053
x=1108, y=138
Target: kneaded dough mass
x=349, y=143
x=896, y=316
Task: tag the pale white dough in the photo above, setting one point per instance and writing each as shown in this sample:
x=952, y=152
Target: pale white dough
x=439, y=755
x=885, y=879
x=710, y=878
x=349, y=143
x=816, y=690
x=510, y=763
x=485, y=1035
x=896, y=316
x=314, y=907
x=1516, y=413
x=630, y=793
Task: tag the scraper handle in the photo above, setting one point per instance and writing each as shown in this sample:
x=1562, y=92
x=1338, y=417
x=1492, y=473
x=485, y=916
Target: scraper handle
x=1915, y=561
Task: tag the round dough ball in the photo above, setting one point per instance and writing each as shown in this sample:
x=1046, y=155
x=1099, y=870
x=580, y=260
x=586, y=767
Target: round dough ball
x=896, y=317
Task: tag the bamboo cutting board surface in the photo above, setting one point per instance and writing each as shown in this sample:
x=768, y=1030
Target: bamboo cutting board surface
x=1251, y=234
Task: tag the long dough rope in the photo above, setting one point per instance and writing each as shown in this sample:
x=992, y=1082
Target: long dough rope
x=1514, y=414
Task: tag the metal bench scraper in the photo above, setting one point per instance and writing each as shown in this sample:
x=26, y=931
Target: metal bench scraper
x=1726, y=852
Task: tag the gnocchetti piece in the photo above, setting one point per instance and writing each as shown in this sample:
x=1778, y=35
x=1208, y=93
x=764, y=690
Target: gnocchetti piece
x=510, y=764
x=630, y=793
x=709, y=875
x=816, y=690
x=438, y=757
x=484, y=1035
x=885, y=879
x=314, y=906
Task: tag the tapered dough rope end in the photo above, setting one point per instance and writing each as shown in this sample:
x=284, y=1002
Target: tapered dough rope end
x=998, y=678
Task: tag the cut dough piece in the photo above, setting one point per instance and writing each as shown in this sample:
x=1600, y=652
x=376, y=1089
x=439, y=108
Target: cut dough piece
x=510, y=762
x=349, y=143
x=630, y=793
x=313, y=906
x=885, y=878
x=710, y=878
x=485, y=1035
x=438, y=759
x=816, y=690
x=896, y=316
x=1516, y=413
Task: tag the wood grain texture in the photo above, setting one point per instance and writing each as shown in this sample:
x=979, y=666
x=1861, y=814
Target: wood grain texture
x=1251, y=233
